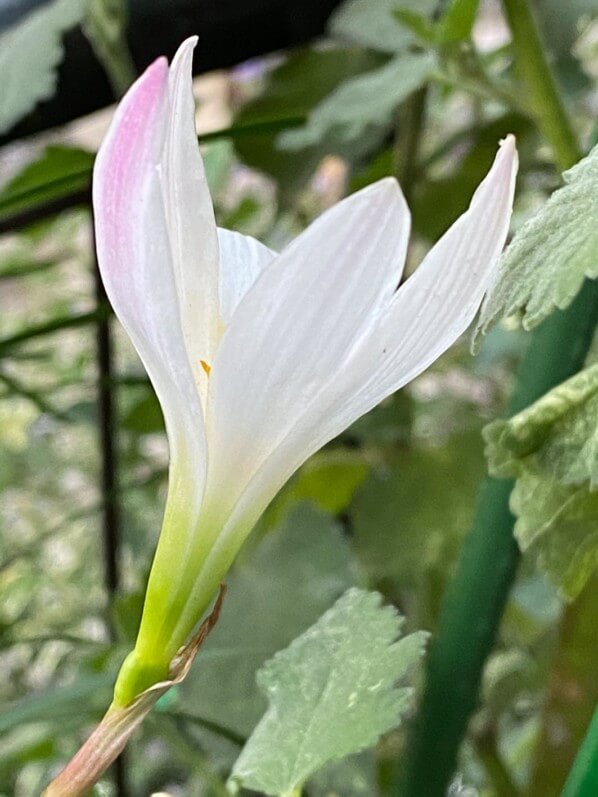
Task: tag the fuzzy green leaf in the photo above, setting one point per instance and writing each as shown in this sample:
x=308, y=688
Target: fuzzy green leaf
x=548, y=259
x=558, y=526
x=363, y=102
x=332, y=692
x=556, y=437
x=552, y=450
x=30, y=52
x=375, y=24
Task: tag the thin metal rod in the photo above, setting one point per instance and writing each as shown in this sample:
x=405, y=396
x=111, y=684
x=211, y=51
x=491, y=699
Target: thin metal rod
x=110, y=516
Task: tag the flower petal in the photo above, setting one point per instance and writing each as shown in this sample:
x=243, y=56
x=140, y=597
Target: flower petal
x=440, y=300
x=242, y=259
x=190, y=219
x=298, y=324
x=135, y=260
x=420, y=321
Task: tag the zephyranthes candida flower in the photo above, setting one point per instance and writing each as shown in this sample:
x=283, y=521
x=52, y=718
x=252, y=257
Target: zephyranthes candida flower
x=258, y=359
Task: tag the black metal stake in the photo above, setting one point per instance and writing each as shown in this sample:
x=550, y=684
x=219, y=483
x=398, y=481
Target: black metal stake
x=109, y=471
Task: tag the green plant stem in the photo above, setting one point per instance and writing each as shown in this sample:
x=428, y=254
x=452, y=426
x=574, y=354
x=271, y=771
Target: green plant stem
x=105, y=25
x=409, y=133
x=546, y=103
x=475, y=599
x=583, y=778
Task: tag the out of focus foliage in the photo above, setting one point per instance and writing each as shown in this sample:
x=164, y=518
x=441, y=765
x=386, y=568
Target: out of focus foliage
x=423, y=91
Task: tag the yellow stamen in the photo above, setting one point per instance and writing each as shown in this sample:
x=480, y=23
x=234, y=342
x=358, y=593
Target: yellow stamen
x=207, y=368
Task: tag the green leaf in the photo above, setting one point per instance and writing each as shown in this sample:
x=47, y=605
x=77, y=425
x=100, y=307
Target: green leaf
x=30, y=52
x=375, y=24
x=328, y=479
x=547, y=261
x=145, y=416
x=331, y=693
x=557, y=436
x=84, y=698
x=420, y=25
x=292, y=90
x=352, y=777
x=58, y=172
x=552, y=450
x=457, y=21
x=363, y=102
x=276, y=590
x=405, y=532
x=558, y=527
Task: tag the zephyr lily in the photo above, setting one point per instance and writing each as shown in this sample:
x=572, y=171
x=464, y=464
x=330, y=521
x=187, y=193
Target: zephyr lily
x=258, y=359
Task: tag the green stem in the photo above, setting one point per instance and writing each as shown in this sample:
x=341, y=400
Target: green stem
x=540, y=84
x=408, y=138
x=583, y=778
x=105, y=26
x=475, y=599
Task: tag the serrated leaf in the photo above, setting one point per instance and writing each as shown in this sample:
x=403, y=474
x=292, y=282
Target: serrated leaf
x=558, y=527
x=552, y=450
x=551, y=255
x=362, y=103
x=375, y=24
x=30, y=52
x=332, y=692
x=556, y=437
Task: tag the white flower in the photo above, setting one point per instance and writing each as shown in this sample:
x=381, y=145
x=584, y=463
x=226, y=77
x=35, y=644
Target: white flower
x=258, y=359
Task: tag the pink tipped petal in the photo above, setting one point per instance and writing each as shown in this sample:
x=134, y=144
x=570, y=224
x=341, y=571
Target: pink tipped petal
x=135, y=259
x=242, y=260
x=296, y=328
x=130, y=149
x=190, y=218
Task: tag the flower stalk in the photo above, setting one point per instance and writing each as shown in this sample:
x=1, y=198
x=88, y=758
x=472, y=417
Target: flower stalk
x=120, y=722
